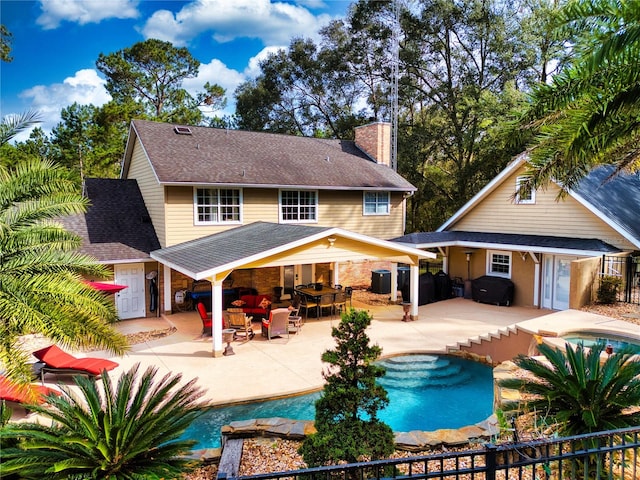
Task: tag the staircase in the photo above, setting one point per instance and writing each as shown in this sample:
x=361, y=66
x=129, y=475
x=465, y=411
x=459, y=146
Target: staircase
x=501, y=344
x=420, y=371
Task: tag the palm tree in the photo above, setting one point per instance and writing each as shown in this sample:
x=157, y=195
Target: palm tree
x=578, y=391
x=41, y=290
x=40, y=285
x=11, y=125
x=133, y=431
x=588, y=115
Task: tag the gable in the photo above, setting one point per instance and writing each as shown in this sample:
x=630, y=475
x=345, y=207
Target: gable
x=497, y=212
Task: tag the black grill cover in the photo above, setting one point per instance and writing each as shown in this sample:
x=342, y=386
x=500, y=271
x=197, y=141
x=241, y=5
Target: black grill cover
x=496, y=290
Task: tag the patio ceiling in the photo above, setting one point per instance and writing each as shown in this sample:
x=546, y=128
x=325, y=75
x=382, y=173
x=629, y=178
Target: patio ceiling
x=263, y=244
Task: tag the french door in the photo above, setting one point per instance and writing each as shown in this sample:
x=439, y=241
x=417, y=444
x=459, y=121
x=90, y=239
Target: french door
x=556, y=276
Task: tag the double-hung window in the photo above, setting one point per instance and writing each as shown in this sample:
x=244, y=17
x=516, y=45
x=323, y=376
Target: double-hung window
x=524, y=195
x=377, y=203
x=499, y=263
x=217, y=205
x=298, y=206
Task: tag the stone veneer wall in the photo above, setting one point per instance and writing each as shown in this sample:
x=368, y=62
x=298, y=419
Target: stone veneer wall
x=358, y=274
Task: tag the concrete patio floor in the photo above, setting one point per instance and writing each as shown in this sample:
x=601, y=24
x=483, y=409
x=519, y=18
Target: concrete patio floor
x=282, y=366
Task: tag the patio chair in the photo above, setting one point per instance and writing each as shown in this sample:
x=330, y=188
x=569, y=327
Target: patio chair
x=24, y=394
x=306, y=303
x=340, y=302
x=326, y=301
x=207, y=321
x=241, y=324
x=277, y=324
x=55, y=360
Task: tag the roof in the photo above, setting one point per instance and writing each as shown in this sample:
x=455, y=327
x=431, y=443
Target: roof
x=214, y=156
x=536, y=243
x=259, y=241
x=614, y=200
x=116, y=226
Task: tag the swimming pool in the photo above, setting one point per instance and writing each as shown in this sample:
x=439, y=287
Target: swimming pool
x=426, y=392
x=589, y=339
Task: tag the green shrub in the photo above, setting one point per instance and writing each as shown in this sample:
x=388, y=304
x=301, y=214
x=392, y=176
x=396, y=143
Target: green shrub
x=608, y=289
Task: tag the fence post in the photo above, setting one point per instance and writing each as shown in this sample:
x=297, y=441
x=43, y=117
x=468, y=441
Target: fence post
x=490, y=460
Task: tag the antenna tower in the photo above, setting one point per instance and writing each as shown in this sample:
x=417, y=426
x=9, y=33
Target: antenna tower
x=395, y=61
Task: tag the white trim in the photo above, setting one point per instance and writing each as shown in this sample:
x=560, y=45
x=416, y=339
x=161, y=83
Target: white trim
x=526, y=201
x=510, y=246
x=605, y=218
x=298, y=221
x=490, y=262
x=197, y=222
x=377, y=203
x=478, y=197
x=331, y=232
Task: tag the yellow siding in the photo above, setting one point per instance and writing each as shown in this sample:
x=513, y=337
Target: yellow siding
x=336, y=209
x=344, y=209
x=498, y=213
x=152, y=191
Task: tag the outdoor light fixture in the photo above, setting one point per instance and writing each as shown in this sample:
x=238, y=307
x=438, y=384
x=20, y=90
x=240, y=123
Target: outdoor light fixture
x=331, y=241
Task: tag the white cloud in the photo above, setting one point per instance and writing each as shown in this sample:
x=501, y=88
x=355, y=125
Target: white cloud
x=216, y=72
x=253, y=66
x=84, y=11
x=274, y=23
x=85, y=88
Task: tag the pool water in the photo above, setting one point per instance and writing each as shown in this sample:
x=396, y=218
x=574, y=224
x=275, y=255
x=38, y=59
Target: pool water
x=426, y=392
x=590, y=339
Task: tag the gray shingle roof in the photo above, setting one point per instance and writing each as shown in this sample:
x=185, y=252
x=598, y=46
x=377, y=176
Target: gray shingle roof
x=234, y=245
x=526, y=242
x=617, y=198
x=241, y=158
x=117, y=225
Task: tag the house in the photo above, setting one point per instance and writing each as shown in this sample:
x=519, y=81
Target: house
x=551, y=249
x=117, y=231
x=200, y=181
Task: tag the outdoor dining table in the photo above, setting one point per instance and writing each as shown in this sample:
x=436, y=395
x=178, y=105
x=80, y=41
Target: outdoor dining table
x=315, y=295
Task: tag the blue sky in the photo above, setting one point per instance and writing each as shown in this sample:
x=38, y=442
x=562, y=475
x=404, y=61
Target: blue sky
x=56, y=43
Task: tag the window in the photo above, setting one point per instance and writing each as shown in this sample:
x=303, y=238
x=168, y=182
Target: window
x=217, y=205
x=499, y=264
x=527, y=196
x=376, y=203
x=298, y=206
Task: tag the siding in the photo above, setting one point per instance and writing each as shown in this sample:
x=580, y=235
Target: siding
x=336, y=209
x=152, y=191
x=565, y=218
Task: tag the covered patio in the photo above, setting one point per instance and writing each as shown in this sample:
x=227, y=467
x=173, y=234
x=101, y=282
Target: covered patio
x=261, y=245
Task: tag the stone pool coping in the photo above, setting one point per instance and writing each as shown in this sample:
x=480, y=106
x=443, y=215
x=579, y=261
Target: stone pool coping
x=413, y=441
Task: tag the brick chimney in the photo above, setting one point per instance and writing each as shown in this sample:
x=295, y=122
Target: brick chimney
x=374, y=139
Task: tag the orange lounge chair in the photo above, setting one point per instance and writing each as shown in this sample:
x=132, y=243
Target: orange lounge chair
x=58, y=361
x=24, y=394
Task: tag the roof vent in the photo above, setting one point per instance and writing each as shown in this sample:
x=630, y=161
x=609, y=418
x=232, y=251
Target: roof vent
x=182, y=130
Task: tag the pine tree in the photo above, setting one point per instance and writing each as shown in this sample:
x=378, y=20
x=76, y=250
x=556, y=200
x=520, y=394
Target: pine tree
x=346, y=421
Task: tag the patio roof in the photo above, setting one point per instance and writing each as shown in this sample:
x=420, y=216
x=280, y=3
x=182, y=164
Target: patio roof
x=536, y=243
x=263, y=244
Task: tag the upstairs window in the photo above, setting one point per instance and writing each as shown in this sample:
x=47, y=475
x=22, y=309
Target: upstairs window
x=526, y=196
x=298, y=206
x=217, y=205
x=377, y=203
x=499, y=264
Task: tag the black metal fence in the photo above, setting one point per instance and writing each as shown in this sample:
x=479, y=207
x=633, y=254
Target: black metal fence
x=628, y=270
x=613, y=455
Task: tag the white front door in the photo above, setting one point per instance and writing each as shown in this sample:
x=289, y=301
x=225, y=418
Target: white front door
x=556, y=279
x=130, y=302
